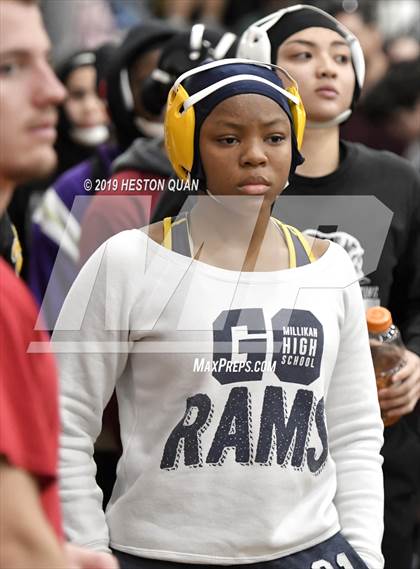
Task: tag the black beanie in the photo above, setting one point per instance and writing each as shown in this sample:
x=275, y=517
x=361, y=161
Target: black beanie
x=294, y=22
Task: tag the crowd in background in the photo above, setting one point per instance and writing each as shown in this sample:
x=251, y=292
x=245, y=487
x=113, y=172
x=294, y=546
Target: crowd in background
x=387, y=117
x=94, y=21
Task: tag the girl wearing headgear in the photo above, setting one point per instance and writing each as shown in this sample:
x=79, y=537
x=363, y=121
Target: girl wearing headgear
x=56, y=221
x=82, y=128
x=83, y=122
x=327, y=62
x=239, y=353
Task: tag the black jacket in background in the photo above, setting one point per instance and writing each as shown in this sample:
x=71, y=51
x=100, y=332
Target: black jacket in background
x=395, y=183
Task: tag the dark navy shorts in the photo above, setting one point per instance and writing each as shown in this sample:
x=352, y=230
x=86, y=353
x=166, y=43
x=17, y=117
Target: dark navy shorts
x=334, y=553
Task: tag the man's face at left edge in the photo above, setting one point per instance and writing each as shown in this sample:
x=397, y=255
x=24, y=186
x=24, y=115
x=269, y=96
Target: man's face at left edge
x=29, y=95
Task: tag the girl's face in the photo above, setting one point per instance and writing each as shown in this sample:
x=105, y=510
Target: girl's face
x=83, y=106
x=320, y=61
x=246, y=147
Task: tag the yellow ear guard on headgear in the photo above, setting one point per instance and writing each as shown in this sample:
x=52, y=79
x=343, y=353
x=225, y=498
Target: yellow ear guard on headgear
x=179, y=132
x=296, y=106
x=298, y=115
x=180, y=117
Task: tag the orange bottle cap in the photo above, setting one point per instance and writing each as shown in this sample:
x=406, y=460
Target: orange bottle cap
x=379, y=319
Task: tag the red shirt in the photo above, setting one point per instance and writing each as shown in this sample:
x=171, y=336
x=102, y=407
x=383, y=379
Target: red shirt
x=29, y=419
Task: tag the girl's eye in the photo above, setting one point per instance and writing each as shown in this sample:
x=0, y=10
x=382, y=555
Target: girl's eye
x=302, y=56
x=276, y=138
x=342, y=58
x=228, y=140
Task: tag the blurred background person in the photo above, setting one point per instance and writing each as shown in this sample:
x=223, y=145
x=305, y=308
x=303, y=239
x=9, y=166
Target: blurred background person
x=56, y=224
x=83, y=125
x=382, y=44
x=127, y=13
x=362, y=22
x=83, y=122
x=30, y=512
x=398, y=17
x=394, y=103
x=402, y=48
x=80, y=24
x=146, y=159
x=186, y=12
x=326, y=61
x=134, y=62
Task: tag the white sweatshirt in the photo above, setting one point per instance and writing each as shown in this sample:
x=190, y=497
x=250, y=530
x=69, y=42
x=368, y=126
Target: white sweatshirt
x=248, y=408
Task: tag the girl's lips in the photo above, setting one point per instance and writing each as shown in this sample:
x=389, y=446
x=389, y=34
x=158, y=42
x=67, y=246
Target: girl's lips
x=327, y=93
x=254, y=185
x=254, y=189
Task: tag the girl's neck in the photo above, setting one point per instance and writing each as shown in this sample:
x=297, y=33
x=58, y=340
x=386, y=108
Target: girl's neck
x=321, y=150
x=223, y=219
x=226, y=238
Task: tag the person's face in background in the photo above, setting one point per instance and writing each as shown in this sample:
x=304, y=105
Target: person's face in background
x=29, y=95
x=403, y=48
x=371, y=41
x=320, y=61
x=368, y=35
x=404, y=123
x=83, y=106
x=140, y=69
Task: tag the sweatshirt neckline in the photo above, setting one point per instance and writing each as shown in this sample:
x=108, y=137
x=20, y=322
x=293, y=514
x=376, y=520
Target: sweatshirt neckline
x=219, y=273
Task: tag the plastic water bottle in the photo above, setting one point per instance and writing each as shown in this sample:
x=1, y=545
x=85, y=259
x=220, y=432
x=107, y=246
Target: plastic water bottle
x=387, y=348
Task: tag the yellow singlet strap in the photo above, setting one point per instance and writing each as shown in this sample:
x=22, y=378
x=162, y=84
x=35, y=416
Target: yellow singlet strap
x=304, y=242
x=299, y=250
x=167, y=233
x=289, y=243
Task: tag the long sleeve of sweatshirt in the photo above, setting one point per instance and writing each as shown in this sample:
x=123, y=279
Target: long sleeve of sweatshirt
x=90, y=341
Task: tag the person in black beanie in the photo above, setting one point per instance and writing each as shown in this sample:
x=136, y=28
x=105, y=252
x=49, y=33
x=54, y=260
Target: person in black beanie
x=53, y=264
x=82, y=127
x=327, y=62
x=147, y=157
x=83, y=123
x=134, y=61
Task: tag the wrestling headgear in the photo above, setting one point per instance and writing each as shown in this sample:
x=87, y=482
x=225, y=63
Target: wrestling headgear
x=97, y=58
x=183, y=52
x=197, y=92
x=262, y=39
